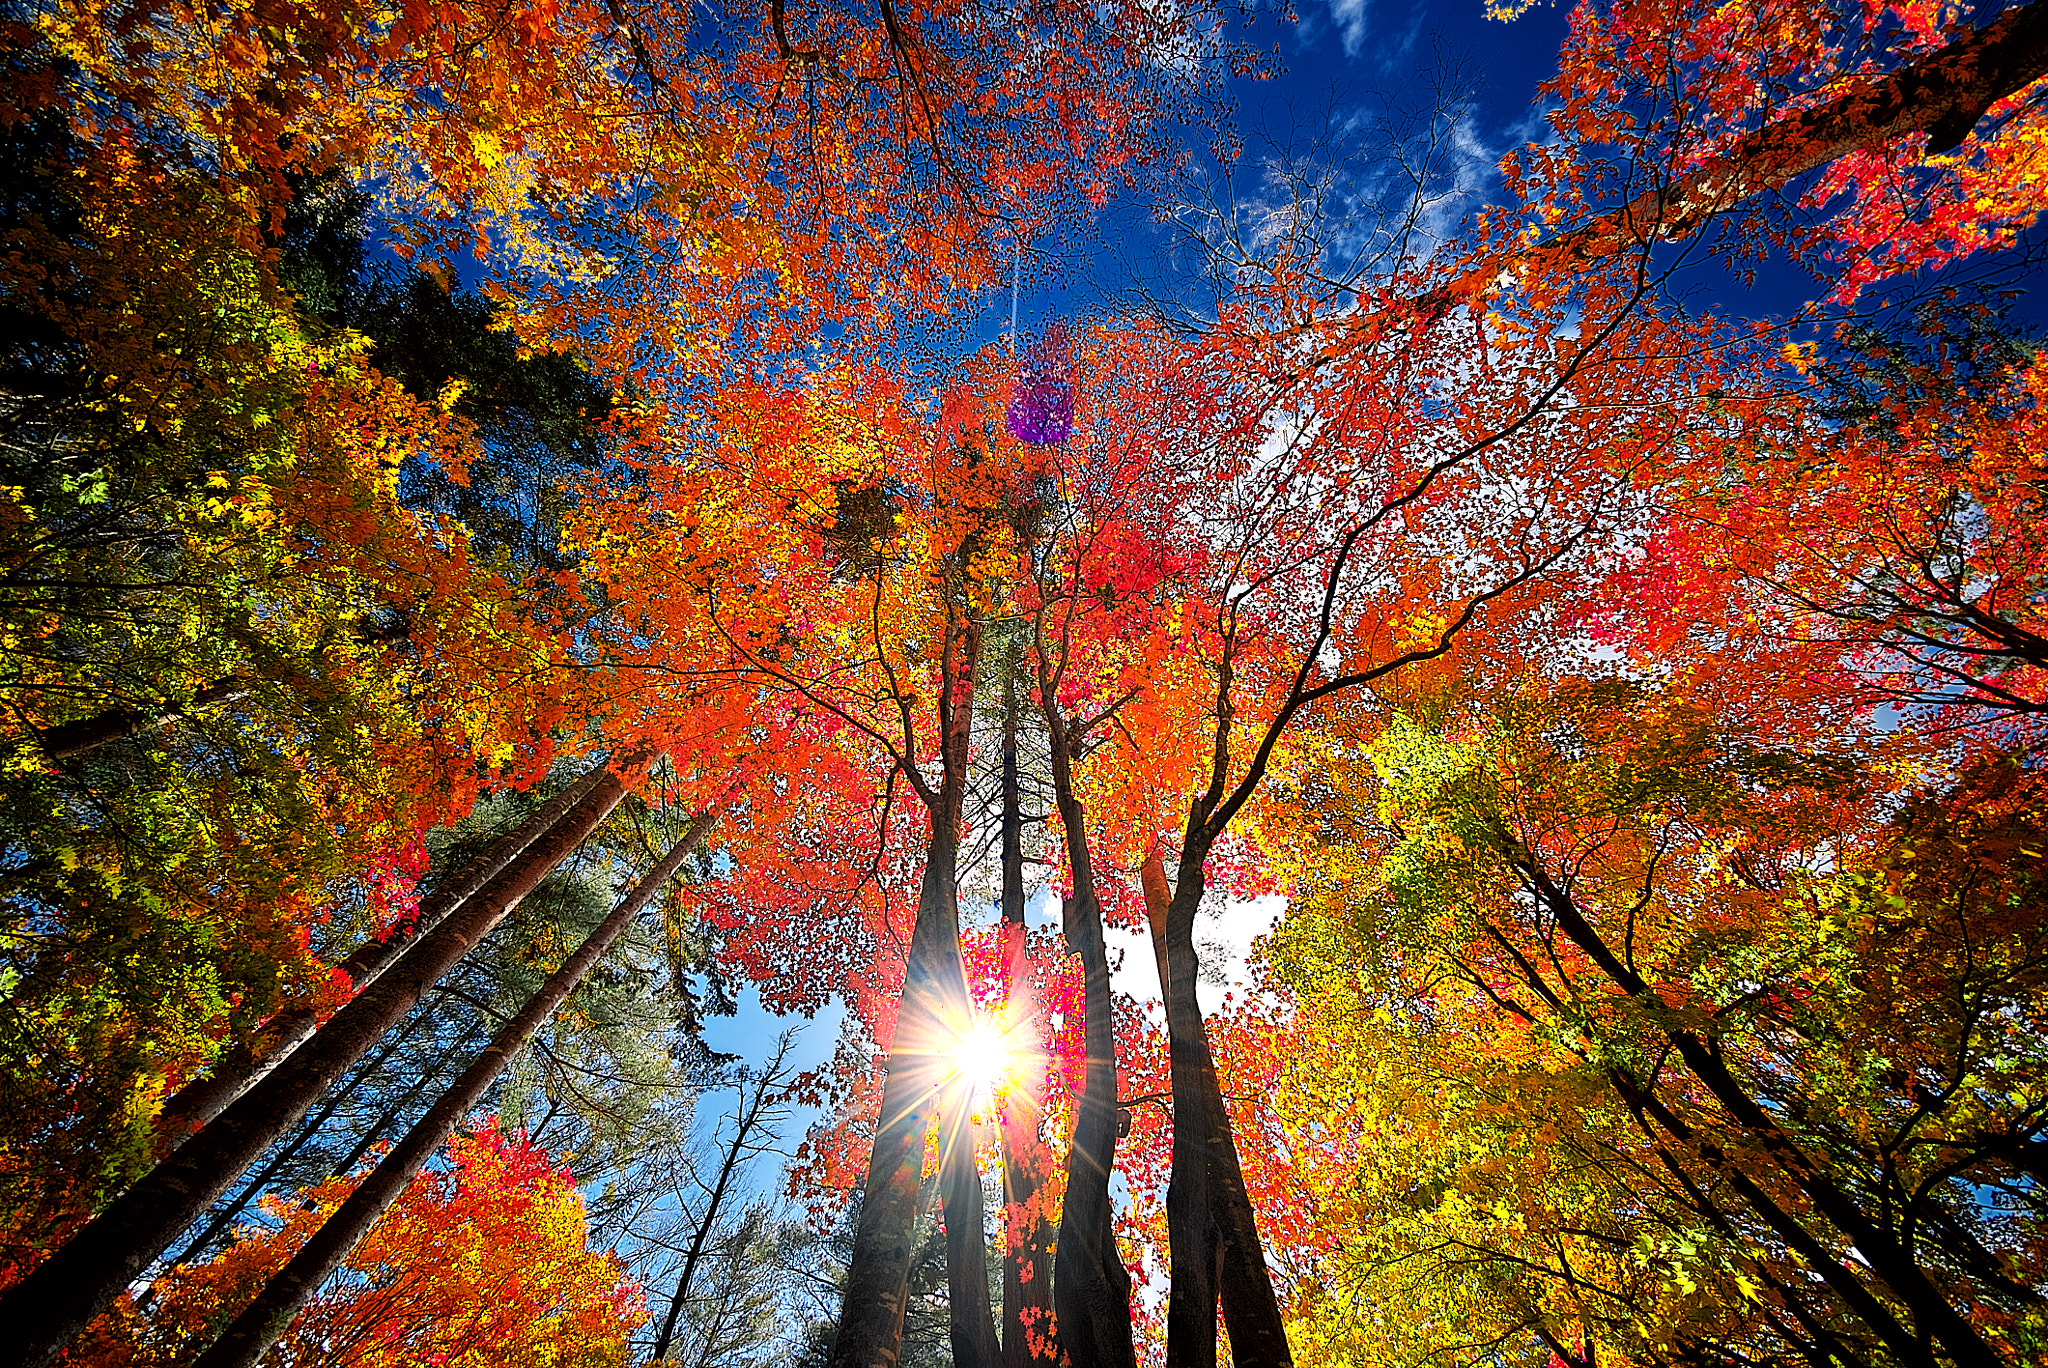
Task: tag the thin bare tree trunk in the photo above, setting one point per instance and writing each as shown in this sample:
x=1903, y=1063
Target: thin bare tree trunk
x=265, y=1320
x=47, y=1309
x=749, y=1118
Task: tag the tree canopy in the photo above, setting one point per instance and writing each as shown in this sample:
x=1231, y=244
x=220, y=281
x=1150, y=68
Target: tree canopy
x=524, y=535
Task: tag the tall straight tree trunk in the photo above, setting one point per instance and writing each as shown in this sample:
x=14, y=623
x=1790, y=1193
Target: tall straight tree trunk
x=199, y=1101
x=263, y=1322
x=1028, y=1237
x=870, y=1331
x=934, y=1010
x=47, y=1309
x=1212, y=1236
x=1091, y=1286
x=971, y=1315
x=224, y=1219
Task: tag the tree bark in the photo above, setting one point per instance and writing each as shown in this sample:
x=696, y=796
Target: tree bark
x=199, y=1101
x=1091, y=1286
x=1028, y=1237
x=225, y=1218
x=972, y=1317
x=263, y=1322
x=1942, y=95
x=84, y=734
x=934, y=1009
x=870, y=1333
x=1212, y=1235
x=1886, y=1256
x=47, y=1309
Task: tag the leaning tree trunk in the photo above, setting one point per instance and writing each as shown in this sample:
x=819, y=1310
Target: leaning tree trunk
x=1028, y=1237
x=224, y=1219
x=199, y=1101
x=47, y=1309
x=1091, y=1286
x=1212, y=1236
x=263, y=1322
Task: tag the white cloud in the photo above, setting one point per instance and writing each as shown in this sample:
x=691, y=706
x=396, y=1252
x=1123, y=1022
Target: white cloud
x=1349, y=17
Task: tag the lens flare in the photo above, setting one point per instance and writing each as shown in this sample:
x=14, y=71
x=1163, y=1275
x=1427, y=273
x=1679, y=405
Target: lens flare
x=981, y=1057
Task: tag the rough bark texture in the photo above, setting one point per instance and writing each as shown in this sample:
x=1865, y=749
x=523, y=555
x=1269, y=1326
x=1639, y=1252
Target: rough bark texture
x=199, y=1101
x=935, y=1007
x=263, y=1322
x=1028, y=1238
x=60, y=1297
x=1212, y=1235
x=1091, y=1286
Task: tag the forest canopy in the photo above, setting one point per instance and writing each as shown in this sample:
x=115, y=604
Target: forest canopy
x=546, y=545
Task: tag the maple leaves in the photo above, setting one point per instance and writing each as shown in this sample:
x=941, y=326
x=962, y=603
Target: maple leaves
x=481, y=1262
x=1626, y=909
x=1265, y=589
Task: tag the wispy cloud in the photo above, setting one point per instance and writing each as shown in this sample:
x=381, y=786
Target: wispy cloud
x=1349, y=17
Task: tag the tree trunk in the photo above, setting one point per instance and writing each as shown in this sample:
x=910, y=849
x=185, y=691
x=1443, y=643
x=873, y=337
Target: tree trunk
x=225, y=1218
x=870, y=1333
x=1943, y=95
x=47, y=1309
x=84, y=734
x=1091, y=1286
x=265, y=1320
x=1028, y=1237
x=1212, y=1234
x=1883, y=1252
x=972, y=1317
x=199, y=1101
x=935, y=1008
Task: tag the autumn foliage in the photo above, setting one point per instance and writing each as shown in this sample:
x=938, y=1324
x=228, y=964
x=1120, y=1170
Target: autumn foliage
x=482, y=1262
x=448, y=447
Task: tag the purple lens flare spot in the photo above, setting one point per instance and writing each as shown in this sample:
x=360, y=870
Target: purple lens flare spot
x=1041, y=409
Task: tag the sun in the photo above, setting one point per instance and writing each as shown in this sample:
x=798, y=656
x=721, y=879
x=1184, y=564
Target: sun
x=981, y=1058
